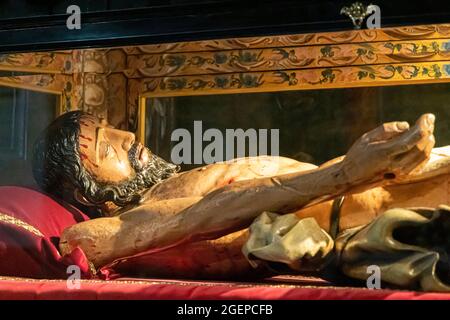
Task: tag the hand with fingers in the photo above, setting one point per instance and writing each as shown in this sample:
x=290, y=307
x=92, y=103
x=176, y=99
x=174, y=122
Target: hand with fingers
x=390, y=151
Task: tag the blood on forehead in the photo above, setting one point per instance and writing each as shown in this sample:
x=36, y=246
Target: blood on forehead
x=84, y=157
x=85, y=138
x=88, y=125
x=87, y=120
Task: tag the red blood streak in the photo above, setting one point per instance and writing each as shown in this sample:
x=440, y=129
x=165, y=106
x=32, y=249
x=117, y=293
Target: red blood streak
x=85, y=157
x=84, y=137
x=83, y=145
x=95, y=165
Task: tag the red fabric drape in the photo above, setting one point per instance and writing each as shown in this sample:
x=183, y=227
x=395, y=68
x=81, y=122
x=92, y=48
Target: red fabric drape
x=30, y=226
x=23, y=289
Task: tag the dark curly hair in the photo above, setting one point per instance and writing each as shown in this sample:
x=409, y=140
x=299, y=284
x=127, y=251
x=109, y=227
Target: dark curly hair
x=58, y=170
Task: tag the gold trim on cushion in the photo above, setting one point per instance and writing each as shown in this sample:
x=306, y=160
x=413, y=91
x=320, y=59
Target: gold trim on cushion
x=185, y=283
x=19, y=223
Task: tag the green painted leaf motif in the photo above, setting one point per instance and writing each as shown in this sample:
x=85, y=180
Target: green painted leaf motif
x=247, y=57
x=447, y=69
x=328, y=75
x=362, y=74
x=435, y=46
x=284, y=54
x=327, y=51
x=415, y=72
x=293, y=79
x=175, y=84
x=389, y=45
x=220, y=58
x=248, y=81
x=437, y=71
x=221, y=82
x=361, y=51
x=390, y=69
x=175, y=60
x=283, y=75
x=446, y=46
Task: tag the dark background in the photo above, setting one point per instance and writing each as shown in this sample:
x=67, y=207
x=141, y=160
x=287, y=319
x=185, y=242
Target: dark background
x=41, y=24
x=314, y=125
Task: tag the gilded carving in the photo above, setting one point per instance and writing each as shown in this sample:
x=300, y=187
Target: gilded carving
x=297, y=79
x=175, y=64
x=94, y=95
x=104, y=60
x=51, y=83
x=43, y=62
x=110, y=81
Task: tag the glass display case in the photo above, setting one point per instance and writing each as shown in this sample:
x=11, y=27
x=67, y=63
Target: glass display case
x=115, y=162
x=314, y=125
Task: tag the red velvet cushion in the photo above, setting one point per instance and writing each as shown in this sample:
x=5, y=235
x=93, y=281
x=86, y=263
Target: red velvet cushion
x=30, y=226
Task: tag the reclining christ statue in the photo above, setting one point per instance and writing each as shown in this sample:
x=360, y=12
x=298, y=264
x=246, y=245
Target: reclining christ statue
x=296, y=211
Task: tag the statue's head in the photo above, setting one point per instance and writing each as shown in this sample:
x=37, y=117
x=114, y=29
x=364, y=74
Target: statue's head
x=81, y=157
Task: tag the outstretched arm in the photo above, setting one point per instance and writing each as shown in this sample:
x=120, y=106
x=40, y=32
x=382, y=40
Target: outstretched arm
x=386, y=153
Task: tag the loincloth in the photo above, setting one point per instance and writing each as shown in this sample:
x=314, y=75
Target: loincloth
x=406, y=248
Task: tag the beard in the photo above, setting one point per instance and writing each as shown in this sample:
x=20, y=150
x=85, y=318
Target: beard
x=146, y=175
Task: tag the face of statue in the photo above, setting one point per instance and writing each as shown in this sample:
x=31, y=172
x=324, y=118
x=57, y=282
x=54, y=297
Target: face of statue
x=82, y=159
x=109, y=155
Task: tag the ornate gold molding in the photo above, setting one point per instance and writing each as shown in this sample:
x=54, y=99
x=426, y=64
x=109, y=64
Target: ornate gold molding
x=42, y=62
x=69, y=90
x=112, y=82
x=297, y=79
x=216, y=62
x=90, y=80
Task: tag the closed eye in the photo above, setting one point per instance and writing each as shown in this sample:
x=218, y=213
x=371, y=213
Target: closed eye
x=106, y=150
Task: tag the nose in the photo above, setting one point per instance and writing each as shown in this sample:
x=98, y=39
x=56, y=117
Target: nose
x=128, y=141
